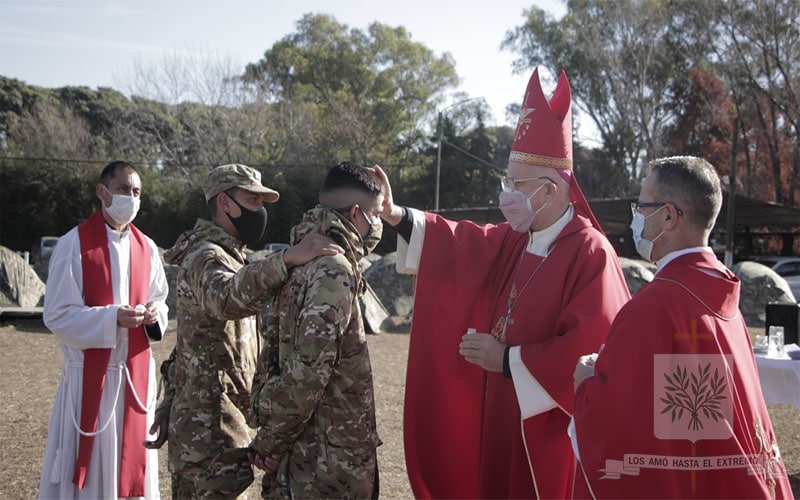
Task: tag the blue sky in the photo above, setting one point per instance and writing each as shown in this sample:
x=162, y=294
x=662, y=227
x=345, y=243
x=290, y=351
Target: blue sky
x=52, y=43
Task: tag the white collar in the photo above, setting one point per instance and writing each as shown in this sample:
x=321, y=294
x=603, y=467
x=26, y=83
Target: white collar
x=540, y=241
x=663, y=261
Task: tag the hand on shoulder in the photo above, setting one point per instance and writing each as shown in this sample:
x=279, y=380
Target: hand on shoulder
x=311, y=247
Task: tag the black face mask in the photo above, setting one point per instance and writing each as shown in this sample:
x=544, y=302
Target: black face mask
x=251, y=224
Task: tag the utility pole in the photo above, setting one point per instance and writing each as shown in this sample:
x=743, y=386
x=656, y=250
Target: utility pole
x=731, y=215
x=438, y=160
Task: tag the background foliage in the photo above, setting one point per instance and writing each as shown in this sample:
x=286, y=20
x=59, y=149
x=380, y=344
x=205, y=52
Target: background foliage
x=717, y=79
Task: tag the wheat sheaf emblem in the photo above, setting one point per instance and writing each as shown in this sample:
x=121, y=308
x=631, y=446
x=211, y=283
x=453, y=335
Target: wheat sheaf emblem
x=698, y=394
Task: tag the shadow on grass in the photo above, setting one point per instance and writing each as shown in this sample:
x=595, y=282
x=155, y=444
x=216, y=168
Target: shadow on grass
x=27, y=325
x=794, y=481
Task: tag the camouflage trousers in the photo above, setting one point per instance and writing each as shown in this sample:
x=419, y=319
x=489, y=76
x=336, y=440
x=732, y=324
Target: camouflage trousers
x=227, y=476
x=334, y=473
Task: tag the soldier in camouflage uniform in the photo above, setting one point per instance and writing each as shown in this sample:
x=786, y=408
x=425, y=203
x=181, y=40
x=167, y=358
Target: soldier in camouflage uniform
x=313, y=396
x=219, y=296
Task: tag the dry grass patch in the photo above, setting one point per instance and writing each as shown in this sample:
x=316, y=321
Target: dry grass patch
x=30, y=364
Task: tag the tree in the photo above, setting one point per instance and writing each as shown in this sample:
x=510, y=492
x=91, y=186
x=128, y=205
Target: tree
x=369, y=90
x=754, y=47
x=620, y=57
x=705, y=114
x=201, y=115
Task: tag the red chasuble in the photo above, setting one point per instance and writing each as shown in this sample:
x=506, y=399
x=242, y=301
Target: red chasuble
x=675, y=408
x=97, y=291
x=462, y=427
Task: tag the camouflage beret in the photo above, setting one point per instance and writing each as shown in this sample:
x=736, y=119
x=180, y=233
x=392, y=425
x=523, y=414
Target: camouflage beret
x=229, y=176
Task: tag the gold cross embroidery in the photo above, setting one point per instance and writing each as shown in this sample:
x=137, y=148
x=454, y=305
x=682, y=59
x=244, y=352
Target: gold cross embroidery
x=693, y=335
x=524, y=119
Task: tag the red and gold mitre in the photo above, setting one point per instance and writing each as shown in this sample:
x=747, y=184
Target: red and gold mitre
x=544, y=129
x=544, y=136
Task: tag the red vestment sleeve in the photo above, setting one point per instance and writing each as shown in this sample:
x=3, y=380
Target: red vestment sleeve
x=442, y=413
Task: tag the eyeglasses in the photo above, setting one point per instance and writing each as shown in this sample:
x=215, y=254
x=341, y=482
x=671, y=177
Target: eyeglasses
x=637, y=205
x=367, y=218
x=509, y=183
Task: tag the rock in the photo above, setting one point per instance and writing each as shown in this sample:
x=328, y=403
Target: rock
x=760, y=285
x=171, y=272
x=376, y=317
x=395, y=291
x=20, y=286
x=637, y=272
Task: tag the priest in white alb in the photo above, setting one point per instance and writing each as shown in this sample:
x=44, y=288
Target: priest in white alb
x=104, y=302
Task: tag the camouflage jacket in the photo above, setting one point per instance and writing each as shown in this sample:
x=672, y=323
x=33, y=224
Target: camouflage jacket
x=314, y=381
x=219, y=297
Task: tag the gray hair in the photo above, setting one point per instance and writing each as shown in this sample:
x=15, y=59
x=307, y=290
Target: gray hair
x=692, y=184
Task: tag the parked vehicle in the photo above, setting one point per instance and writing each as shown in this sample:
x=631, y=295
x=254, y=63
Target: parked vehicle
x=44, y=246
x=787, y=267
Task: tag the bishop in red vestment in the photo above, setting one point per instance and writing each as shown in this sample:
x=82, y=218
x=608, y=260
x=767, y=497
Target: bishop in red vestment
x=674, y=409
x=486, y=414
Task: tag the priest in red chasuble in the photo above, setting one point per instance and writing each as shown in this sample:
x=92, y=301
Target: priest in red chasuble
x=486, y=413
x=672, y=406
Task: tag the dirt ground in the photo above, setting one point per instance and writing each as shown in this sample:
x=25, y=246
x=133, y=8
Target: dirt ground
x=30, y=366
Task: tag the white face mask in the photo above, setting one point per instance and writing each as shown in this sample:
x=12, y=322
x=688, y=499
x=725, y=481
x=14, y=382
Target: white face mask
x=123, y=209
x=517, y=209
x=643, y=245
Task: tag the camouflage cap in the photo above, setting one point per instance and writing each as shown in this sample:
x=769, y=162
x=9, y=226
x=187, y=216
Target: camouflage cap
x=225, y=177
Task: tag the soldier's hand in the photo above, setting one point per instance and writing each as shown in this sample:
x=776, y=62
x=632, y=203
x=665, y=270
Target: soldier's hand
x=269, y=464
x=160, y=428
x=390, y=212
x=311, y=247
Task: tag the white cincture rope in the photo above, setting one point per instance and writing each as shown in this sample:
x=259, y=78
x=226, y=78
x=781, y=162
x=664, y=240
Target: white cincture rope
x=113, y=408
x=149, y=405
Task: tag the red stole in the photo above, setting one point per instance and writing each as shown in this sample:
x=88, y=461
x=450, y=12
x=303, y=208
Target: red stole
x=97, y=291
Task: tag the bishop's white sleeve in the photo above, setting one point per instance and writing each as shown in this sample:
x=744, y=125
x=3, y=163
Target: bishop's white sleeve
x=573, y=437
x=408, y=253
x=65, y=313
x=532, y=397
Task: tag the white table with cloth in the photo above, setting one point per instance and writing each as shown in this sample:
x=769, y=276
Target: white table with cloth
x=780, y=379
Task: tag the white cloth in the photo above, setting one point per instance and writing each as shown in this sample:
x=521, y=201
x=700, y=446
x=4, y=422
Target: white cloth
x=78, y=327
x=780, y=379
x=531, y=396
